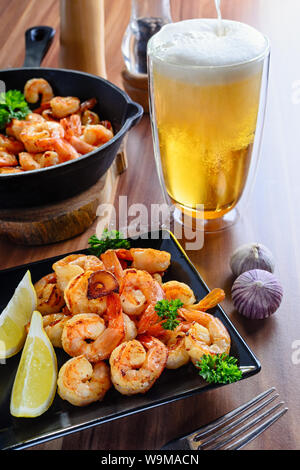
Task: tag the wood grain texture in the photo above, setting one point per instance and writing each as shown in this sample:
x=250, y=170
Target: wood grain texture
x=60, y=221
x=272, y=218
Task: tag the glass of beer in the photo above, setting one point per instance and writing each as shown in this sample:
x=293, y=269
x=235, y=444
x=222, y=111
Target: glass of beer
x=208, y=82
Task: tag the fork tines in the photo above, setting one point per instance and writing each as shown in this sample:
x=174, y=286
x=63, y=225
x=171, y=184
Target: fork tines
x=239, y=427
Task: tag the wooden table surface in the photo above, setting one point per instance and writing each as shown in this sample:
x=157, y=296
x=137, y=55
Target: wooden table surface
x=273, y=218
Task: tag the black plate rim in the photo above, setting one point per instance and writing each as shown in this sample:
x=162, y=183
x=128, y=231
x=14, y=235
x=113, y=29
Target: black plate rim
x=93, y=423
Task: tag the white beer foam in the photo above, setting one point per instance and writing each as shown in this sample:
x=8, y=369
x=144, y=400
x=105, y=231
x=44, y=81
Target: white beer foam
x=182, y=48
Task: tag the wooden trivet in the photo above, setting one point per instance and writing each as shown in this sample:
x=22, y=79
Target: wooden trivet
x=62, y=220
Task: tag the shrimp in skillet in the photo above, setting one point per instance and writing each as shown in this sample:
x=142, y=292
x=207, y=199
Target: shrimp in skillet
x=10, y=169
x=36, y=133
x=89, y=117
x=73, y=131
x=81, y=383
x=10, y=145
x=29, y=161
x=7, y=159
x=137, y=364
x=61, y=146
x=64, y=106
x=92, y=336
x=96, y=134
x=50, y=298
x=37, y=87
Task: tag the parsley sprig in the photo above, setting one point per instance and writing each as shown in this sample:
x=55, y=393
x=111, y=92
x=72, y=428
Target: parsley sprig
x=168, y=311
x=12, y=106
x=219, y=368
x=110, y=240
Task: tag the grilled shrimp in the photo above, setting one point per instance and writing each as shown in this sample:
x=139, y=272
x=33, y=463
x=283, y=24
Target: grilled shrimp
x=139, y=292
x=130, y=329
x=61, y=146
x=36, y=87
x=88, y=104
x=28, y=161
x=77, y=299
x=175, y=342
x=34, y=117
x=137, y=364
x=10, y=169
x=89, y=335
x=50, y=298
x=73, y=265
x=206, y=335
x=96, y=134
x=53, y=325
x=212, y=299
x=49, y=158
x=179, y=290
x=7, y=159
x=10, y=145
x=146, y=259
x=64, y=106
x=73, y=131
x=112, y=264
x=81, y=383
x=36, y=133
x=89, y=117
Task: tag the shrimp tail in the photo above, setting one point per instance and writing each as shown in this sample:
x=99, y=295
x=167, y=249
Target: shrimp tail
x=114, y=333
x=210, y=300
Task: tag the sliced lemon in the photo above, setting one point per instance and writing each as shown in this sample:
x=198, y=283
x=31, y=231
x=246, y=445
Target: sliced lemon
x=35, y=382
x=15, y=316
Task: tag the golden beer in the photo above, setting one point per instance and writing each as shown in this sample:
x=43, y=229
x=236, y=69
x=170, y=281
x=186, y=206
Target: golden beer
x=205, y=120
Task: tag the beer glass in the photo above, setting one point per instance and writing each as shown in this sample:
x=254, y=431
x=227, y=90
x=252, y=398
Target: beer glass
x=207, y=119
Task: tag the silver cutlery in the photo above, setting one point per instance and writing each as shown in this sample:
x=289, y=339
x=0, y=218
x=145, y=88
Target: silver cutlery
x=235, y=429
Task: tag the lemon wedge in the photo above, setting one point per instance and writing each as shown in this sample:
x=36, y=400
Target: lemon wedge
x=15, y=316
x=35, y=382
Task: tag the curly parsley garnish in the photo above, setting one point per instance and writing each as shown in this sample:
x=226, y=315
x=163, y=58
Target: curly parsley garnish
x=12, y=106
x=220, y=368
x=110, y=240
x=168, y=310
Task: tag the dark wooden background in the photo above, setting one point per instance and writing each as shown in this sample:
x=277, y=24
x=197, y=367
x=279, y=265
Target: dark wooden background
x=273, y=218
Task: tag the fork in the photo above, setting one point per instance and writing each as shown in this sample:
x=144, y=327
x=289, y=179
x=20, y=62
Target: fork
x=235, y=429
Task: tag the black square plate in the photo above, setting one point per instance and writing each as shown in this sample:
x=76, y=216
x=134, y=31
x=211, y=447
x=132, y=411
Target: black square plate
x=63, y=418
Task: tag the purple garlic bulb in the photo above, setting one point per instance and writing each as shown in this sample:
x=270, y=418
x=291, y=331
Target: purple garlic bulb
x=257, y=294
x=251, y=256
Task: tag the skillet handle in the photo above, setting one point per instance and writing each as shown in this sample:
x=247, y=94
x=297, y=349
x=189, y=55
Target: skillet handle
x=134, y=113
x=37, y=42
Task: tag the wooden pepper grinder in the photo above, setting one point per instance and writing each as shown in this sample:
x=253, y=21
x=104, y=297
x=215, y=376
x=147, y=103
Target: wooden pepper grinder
x=82, y=38
x=147, y=18
x=82, y=45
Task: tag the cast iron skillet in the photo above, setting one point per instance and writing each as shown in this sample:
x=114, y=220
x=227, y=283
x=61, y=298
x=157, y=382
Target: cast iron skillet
x=38, y=187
